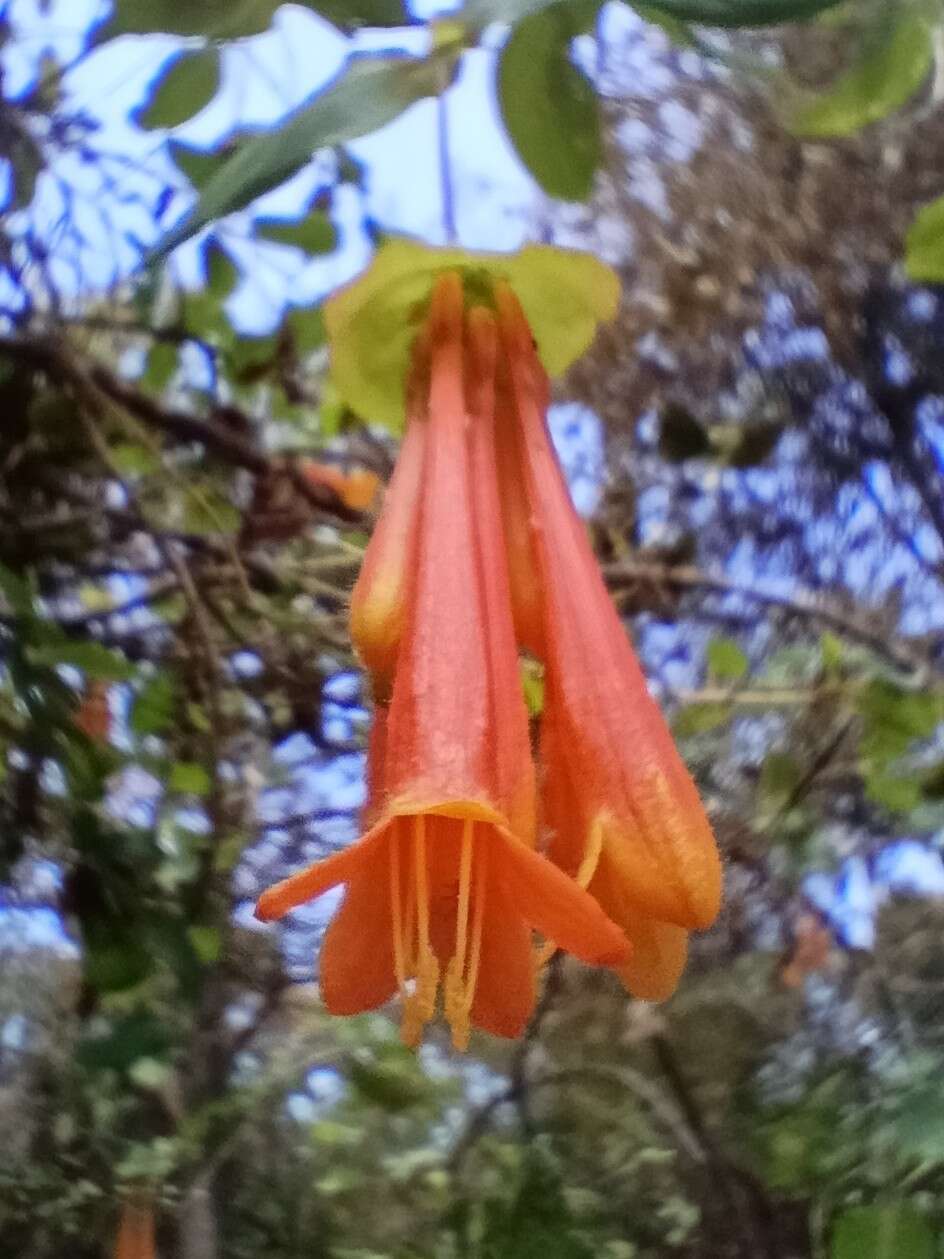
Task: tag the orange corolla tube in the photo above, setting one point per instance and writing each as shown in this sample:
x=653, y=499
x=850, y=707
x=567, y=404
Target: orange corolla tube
x=621, y=808
x=444, y=889
x=379, y=597
x=135, y=1238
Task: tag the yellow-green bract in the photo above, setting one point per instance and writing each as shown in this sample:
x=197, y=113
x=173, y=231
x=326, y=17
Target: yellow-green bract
x=372, y=322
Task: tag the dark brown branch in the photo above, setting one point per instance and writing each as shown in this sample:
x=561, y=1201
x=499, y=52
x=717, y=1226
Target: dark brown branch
x=801, y=604
x=56, y=360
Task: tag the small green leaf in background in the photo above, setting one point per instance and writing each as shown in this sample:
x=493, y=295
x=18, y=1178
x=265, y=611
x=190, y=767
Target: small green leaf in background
x=700, y=718
x=681, y=435
x=94, y=659
x=206, y=942
x=742, y=13
x=218, y=19
x=222, y=274
x=352, y=14
x=159, y=368
x=149, y=1073
x=549, y=106
x=667, y=13
x=892, y=1230
x=894, y=717
x=924, y=245
x=188, y=81
x=919, y=1126
x=206, y=511
x=153, y=707
x=199, y=165
x=779, y=778
x=315, y=233
x=188, y=778
x=726, y=661
x=893, y=68
x=368, y=92
x=26, y=161
x=897, y=792
x=307, y=327
x=678, y=31
x=16, y=592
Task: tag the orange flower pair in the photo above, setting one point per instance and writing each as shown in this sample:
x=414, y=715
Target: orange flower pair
x=478, y=551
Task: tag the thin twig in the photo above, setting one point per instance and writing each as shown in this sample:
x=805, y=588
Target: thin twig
x=801, y=603
x=445, y=170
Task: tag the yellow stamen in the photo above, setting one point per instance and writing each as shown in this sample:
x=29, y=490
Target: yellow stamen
x=399, y=951
x=591, y=857
x=454, y=998
x=421, y=1004
x=585, y=872
x=478, y=918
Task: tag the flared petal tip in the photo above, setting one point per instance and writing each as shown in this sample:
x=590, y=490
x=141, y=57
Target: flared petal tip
x=659, y=957
x=268, y=907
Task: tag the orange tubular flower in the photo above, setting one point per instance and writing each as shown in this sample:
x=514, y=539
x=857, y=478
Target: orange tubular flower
x=446, y=883
x=379, y=598
x=135, y=1238
x=624, y=816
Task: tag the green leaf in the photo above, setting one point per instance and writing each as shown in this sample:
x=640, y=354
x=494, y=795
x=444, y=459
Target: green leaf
x=129, y=1039
x=26, y=161
x=153, y=707
x=754, y=443
x=94, y=659
x=149, y=1073
x=727, y=13
x=114, y=963
x=315, y=233
x=679, y=32
x=549, y=106
x=532, y=684
x=372, y=322
x=307, y=325
x=700, y=718
x=681, y=436
x=352, y=14
x=779, y=778
x=188, y=81
x=832, y=651
x=892, y=1230
x=893, y=718
x=919, y=1126
x=394, y=1085
x=206, y=942
x=129, y=459
x=188, y=778
x=222, y=274
x=16, y=591
x=893, y=68
x=219, y=19
x=726, y=660
x=160, y=366
x=368, y=92
x=924, y=245
x=206, y=511
x=899, y=793
x=199, y=165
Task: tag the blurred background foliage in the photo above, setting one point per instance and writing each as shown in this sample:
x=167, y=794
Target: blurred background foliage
x=757, y=443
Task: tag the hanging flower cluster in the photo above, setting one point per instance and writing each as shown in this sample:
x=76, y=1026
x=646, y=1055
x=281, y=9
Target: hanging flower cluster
x=600, y=843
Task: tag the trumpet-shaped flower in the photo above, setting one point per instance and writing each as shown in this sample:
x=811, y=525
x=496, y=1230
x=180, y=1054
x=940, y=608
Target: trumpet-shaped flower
x=379, y=598
x=445, y=887
x=620, y=806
